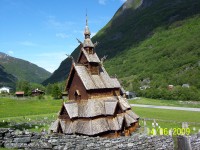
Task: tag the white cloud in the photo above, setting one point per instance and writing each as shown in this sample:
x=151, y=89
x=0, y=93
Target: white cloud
x=56, y=55
x=10, y=52
x=50, y=61
x=62, y=35
x=102, y=2
x=93, y=34
x=27, y=43
x=52, y=22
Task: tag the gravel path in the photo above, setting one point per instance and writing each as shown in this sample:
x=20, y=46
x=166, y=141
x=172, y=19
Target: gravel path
x=167, y=107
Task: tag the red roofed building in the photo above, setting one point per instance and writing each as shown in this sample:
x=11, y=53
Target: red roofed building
x=19, y=94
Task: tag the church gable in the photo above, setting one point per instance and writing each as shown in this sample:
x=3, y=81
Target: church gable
x=77, y=90
x=82, y=59
x=63, y=111
x=88, y=55
x=70, y=78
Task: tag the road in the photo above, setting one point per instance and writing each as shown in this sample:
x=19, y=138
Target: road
x=167, y=107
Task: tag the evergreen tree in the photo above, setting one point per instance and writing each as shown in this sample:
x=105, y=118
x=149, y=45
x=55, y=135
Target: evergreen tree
x=56, y=92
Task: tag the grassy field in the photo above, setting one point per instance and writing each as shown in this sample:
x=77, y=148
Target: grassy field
x=23, y=107
x=31, y=113
x=170, y=119
x=37, y=115
x=148, y=101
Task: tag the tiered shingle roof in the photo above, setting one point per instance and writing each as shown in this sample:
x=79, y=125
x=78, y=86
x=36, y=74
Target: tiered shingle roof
x=90, y=114
x=104, y=109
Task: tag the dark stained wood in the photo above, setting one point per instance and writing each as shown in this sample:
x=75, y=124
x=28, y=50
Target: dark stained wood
x=96, y=93
x=37, y=92
x=59, y=129
x=82, y=59
x=94, y=68
x=77, y=85
x=63, y=113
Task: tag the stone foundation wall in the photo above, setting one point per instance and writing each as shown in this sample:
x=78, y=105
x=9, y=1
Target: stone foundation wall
x=189, y=142
x=26, y=140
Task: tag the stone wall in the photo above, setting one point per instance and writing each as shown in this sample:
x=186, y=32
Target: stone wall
x=189, y=142
x=26, y=140
x=195, y=141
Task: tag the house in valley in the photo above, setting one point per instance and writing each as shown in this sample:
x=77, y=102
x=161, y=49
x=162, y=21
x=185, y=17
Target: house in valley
x=37, y=92
x=19, y=94
x=5, y=89
x=130, y=95
x=96, y=105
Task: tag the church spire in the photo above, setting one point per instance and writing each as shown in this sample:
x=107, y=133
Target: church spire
x=87, y=30
x=86, y=19
x=87, y=42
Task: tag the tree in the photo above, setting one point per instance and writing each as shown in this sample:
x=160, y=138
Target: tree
x=24, y=86
x=49, y=89
x=56, y=92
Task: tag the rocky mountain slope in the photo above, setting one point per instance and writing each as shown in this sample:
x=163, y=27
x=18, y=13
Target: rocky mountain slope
x=13, y=69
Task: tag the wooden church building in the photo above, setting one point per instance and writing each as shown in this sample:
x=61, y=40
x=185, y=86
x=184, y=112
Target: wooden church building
x=96, y=105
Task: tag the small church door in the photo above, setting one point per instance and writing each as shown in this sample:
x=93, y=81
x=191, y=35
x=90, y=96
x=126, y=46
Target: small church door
x=77, y=95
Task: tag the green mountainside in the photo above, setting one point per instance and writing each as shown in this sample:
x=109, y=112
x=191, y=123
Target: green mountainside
x=171, y=56
x=18, y=69
x=152, y=43
x=6, y=79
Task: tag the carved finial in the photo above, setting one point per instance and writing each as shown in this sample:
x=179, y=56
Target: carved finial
x=87, y=31
x=79, y=41
x=103, y=59
x=71, y=57
x=86, y=18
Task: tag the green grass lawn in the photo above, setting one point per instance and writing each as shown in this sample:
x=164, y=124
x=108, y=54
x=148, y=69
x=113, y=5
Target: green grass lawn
x=23, y=107
x=148, y=101
x=168, y=118
x=36, y=114
x=31, y=113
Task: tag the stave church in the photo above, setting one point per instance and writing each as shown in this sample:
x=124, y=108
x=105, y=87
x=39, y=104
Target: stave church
x=96, y=105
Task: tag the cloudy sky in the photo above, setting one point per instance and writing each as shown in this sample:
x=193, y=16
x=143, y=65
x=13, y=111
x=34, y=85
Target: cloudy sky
x=43, y=31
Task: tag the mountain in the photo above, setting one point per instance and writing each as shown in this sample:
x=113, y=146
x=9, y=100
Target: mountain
x=6, y=79
x=13, y=69
x=150, y=40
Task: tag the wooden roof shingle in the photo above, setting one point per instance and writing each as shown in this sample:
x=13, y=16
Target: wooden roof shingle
x=113, y=124
x=132, y=114
x=100, y=81
x=91, y=57
x=72, y=109
x=123, y=103
x=54, y=126
x=89, y=126
x=91, y=107
x=99, y=125
x=110, y=107
x=120, y=119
